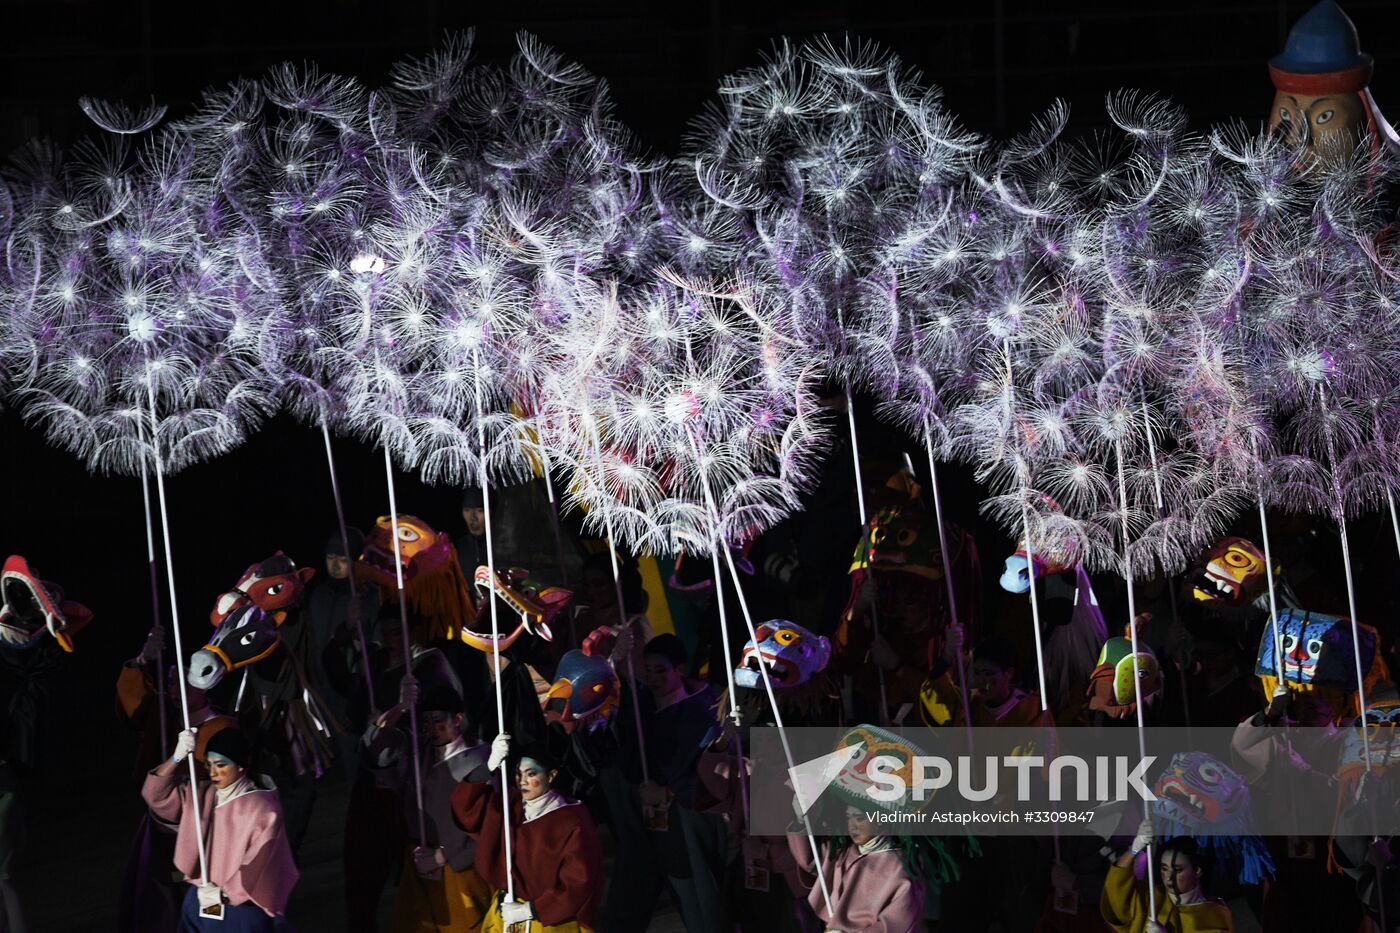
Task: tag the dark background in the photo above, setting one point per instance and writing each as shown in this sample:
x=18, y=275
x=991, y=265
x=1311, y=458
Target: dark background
x=999, y=63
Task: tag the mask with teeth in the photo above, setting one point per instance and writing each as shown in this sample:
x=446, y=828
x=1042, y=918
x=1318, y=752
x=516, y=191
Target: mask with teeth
x=1230, y=574
x=437, y=590
x=1111, y=684
x=785, y=652
x=1200, y=796
x=898, y=539
x=1318, y=655
x=32, y=607
x=852, y=784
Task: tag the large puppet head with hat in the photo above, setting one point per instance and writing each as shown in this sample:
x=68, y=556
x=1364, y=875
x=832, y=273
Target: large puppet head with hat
x=32, y=607
x=1322, y=98
x=526, y=607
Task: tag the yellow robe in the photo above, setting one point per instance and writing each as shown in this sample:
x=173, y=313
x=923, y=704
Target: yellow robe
x=1124, y=908
x=457, y=903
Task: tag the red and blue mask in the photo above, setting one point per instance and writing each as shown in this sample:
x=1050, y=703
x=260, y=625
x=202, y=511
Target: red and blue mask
x=1317, y=650
x=784, y=652
x=584, y=695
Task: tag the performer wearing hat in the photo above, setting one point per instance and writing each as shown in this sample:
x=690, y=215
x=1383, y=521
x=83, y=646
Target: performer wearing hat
x=558, y=861
x=1322, y=97
x=251, y=871
x=438, y=890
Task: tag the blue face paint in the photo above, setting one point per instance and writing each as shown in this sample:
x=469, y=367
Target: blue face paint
x=1317, y=650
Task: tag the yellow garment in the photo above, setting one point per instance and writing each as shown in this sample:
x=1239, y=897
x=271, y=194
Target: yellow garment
x=457, y=903
x=1124, y=908
x=493, y=924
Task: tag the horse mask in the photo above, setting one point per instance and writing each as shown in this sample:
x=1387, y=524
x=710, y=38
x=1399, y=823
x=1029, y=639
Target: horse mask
x=248, y=618
x=276, y=586
x=785, y=652
x=32, y=607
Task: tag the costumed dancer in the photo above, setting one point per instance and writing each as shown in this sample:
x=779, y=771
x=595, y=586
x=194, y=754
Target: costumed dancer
x=662, y=837
x=1071, y=622
x=31, y=609
x=877, y=883
x=374, y=828
x=1181, y=870
x=995, y=699
x=334, y=621
x=439, y=889
x=764, y=890
x=558, y=860
x=251, y=870
x=150, y=897
x=897, y=586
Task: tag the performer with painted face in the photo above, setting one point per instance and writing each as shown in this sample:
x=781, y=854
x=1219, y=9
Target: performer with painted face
x=439, y=888
x=557, y=859
x=1182, y=904
x=251, y=871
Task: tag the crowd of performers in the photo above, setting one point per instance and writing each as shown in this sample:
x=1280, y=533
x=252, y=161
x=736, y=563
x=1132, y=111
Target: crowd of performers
x=617, y=740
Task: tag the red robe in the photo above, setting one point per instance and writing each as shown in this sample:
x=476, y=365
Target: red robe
x=558, y=859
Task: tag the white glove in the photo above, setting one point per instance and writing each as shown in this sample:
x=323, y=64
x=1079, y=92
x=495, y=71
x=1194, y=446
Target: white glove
x=184, y=744
x=1144, y=837
x=408, y=691
x=513, y=912
x=884, y=655
x=500, y=751
x=1154, y=927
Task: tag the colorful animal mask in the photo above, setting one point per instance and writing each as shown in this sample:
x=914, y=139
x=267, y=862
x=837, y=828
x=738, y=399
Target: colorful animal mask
x=437, y=590
x=853, y=782
x=1231, y=573
x=532, y=603
x=1202, y=795
x=786, y=653
x=1055, y=550
x=275, y=586
x=245, y=637
x=584, y=695
x=1111, y=683
x=1382, y=739
x=421, y=551
x=897, y=539
x=1317, y=652
x=1204, y=798
x=32, y=606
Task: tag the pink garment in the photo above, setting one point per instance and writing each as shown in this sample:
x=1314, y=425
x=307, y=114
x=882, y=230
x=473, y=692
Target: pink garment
x=869, y=893
x=249, y=858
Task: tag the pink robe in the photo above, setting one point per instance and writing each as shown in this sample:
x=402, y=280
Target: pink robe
x=249, y=858
x=869, y=893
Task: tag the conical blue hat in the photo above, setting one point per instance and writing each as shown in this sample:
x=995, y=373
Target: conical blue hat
x=1324, y=40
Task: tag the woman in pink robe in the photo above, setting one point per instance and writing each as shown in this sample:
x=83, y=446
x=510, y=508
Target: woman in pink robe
x=871, y=890
x=251, y=871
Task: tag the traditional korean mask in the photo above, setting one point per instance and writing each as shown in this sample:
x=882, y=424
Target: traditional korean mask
x=584, y=695
x=422, y=550
x=1202, y=795
x=275, y=586
x=785, y=652
x=1317, y=650
x=898, y=539
x=853, y=782
x=1231, y=573
x=1382, y=739
x=532, y=604
x=1111, y=684
x=32, y=607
